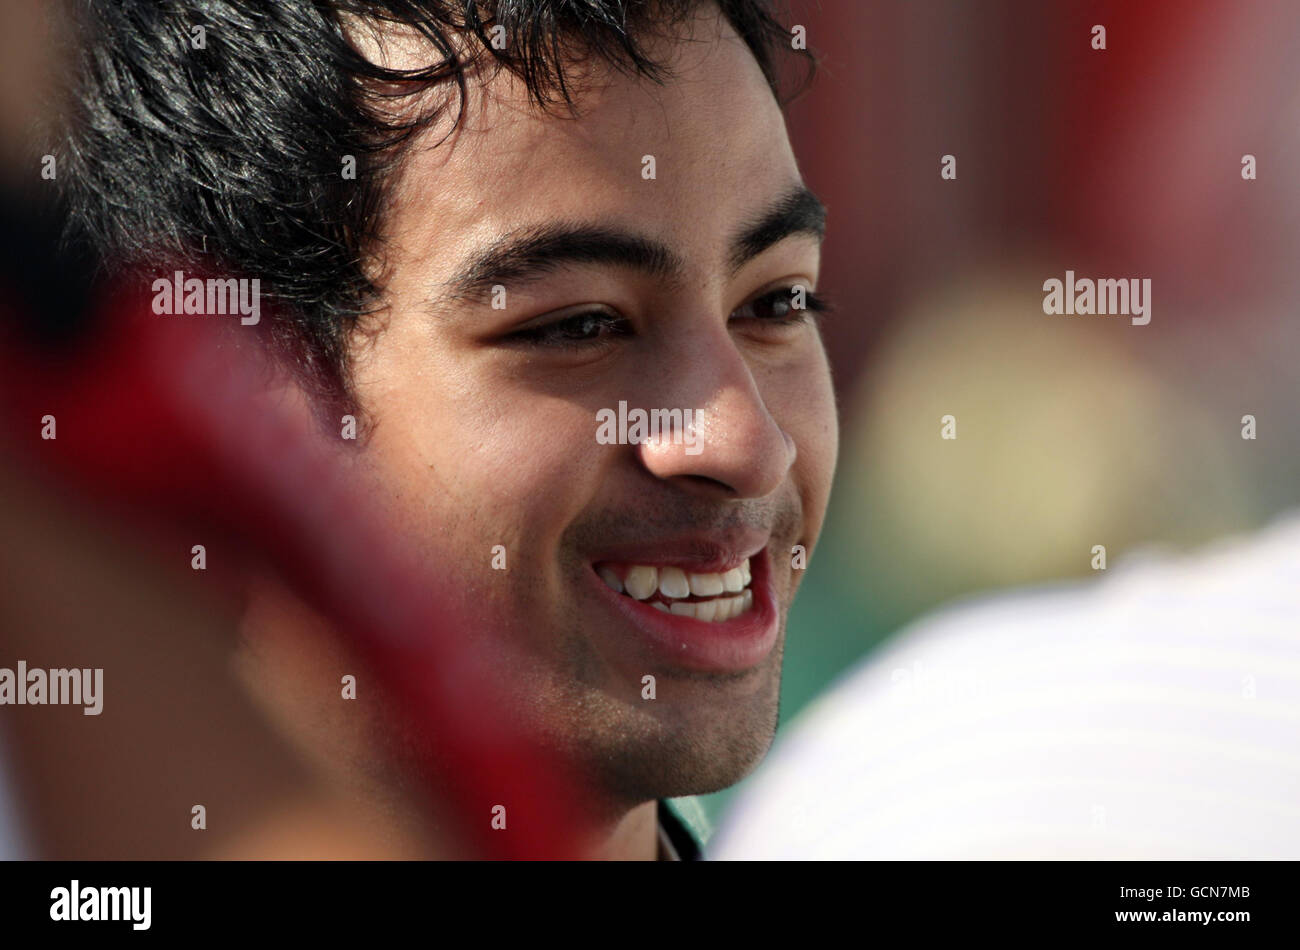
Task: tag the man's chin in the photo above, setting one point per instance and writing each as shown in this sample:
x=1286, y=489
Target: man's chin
x=714, y=777
x=702, y=742
x=689, y=761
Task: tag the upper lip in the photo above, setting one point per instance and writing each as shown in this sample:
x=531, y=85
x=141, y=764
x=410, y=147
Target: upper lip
x=699, y=552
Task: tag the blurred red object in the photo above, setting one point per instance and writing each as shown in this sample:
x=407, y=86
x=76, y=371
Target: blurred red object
x=162, y=420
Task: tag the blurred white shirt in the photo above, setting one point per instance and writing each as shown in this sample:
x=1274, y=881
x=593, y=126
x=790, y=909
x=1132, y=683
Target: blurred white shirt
x=1152, y=714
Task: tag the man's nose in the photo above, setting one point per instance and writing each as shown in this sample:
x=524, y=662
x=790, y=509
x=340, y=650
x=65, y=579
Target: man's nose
x=732, y=446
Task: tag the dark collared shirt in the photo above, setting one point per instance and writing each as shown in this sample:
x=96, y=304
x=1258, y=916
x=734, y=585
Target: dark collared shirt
x=677, y=841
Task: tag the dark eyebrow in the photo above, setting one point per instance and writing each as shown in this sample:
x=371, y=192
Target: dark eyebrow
x=799, y=211
x=532, y=252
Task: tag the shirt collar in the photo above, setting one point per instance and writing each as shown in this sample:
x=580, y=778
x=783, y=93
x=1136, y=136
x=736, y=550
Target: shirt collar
x=676, y=841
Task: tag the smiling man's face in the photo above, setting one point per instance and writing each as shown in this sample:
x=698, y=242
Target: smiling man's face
x=669, y=292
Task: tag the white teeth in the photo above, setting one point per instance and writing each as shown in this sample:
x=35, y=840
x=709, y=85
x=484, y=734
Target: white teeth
x=707, y=585
x=641, y=581
x=673, y=583
x=710, y=611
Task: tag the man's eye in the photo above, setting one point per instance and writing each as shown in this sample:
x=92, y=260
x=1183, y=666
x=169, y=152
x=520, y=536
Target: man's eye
x=784, y=305
x=581, y=329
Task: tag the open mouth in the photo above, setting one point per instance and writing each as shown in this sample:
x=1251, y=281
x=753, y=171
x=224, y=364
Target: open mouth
x=711, y=597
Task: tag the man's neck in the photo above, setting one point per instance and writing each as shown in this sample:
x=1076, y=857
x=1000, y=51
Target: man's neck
x=634, y=838
x=285, y=647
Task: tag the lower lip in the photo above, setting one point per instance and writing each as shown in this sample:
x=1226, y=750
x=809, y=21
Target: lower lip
x=731, y=646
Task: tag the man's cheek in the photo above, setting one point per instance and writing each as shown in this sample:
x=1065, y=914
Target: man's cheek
x=517, y=508
x=817, y=442
x=803, y=403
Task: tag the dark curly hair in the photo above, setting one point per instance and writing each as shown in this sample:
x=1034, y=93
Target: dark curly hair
x=228, y=159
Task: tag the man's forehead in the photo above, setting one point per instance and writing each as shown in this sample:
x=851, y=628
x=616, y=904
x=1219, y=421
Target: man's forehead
x=712, y=90
x=694, y=158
